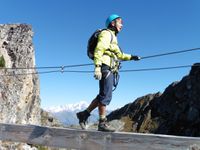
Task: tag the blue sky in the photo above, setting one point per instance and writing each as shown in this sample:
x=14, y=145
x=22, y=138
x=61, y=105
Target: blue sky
x=62, y=28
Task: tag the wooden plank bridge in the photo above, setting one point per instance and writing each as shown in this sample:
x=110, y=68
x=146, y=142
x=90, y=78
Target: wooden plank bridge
x=94, y=140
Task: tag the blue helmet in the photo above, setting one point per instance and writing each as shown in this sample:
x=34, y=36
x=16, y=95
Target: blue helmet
x=111, y=18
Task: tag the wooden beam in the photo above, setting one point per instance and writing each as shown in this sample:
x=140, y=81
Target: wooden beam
x=94, y=140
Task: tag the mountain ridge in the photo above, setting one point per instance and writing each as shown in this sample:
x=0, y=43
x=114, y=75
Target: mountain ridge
x=176, y=111
x=67, y=107
x=66, y=114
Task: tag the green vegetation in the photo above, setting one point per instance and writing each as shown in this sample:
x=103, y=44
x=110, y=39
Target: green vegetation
x=42, y=148
x=2, y=62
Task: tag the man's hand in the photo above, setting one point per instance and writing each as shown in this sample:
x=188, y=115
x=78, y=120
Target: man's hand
x=133, y=57
x=97, y=73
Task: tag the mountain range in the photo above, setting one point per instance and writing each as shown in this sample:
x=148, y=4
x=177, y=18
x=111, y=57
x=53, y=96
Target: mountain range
x=66, y=114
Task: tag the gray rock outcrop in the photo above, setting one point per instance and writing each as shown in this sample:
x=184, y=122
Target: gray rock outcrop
x=174, y=112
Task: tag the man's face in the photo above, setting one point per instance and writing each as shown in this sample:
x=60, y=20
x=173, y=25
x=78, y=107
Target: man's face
x=118, y=24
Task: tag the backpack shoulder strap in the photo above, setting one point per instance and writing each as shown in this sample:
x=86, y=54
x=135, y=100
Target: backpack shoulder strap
x=110, y=34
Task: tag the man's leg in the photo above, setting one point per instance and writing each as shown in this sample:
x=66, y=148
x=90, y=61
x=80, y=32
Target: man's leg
x=104, y=97
x=83, y=115
x=102, y=111
x=103, y=124
x=93, y=105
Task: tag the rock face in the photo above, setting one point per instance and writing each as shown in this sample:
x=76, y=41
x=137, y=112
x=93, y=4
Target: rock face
x=49, y=120
x=175, y=112
x=19, y=92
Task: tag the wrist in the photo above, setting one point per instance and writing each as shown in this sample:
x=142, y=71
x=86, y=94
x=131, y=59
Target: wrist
x=132, y=57
x=135, y=57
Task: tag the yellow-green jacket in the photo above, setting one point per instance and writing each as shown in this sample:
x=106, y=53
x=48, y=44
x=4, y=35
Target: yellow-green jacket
x=107, y=51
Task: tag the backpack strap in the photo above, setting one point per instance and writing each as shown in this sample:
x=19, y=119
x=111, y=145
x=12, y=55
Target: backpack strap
x=111, y=35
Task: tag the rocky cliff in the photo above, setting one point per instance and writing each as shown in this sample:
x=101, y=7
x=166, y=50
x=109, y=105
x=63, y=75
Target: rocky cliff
x=19, y=92
x=176, y=111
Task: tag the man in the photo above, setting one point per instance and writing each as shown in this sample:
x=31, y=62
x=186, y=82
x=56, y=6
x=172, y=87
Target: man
x=106, y=60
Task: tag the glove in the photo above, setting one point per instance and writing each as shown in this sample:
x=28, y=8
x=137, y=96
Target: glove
x=97, y=73
x=133, y=57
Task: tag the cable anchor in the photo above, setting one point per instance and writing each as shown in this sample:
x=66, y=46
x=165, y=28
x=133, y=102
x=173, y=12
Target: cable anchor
x=62, y=69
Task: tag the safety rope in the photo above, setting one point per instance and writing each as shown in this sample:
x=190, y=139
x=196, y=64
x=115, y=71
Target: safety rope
x=49, y=67
x=29, y=73
x=91, y=64
x=62, y=68
x=154, y=69
x=137, y=70
x=171, y=53
x=78, y=71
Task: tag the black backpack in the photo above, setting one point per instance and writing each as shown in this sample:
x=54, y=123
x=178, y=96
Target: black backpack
x=92, y=43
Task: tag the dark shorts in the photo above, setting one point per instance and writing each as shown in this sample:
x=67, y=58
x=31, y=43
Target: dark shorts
x=105, y=86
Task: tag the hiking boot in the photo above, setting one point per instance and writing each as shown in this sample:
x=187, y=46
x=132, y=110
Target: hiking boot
x=104, y=126
x=83, y=116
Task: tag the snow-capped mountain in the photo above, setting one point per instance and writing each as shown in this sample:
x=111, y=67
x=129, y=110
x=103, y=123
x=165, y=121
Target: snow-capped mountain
x=68, y=107
x=66, y=114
